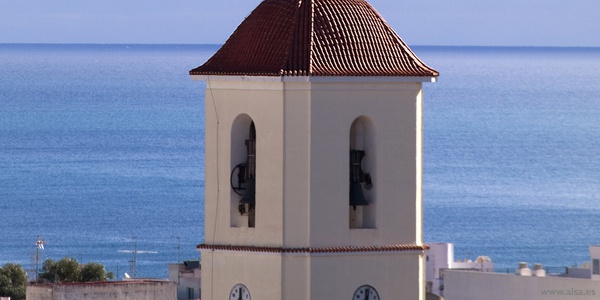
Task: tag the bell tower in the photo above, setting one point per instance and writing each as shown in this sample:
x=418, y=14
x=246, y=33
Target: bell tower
x=313, y=157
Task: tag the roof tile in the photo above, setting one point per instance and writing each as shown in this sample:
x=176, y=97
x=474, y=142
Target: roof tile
x=314, y=38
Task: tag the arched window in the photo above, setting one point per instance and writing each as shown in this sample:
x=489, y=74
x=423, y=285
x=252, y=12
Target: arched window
x=361, y=167
x=243, y=173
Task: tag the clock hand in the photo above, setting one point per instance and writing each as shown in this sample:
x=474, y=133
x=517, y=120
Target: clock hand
x=367, y=293
x=240, y=294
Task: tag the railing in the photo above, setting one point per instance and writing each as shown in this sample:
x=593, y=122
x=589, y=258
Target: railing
x=549, y=270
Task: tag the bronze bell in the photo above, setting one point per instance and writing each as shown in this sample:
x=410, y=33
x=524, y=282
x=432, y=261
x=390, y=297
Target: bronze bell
x=248, y=197
x=356, y=195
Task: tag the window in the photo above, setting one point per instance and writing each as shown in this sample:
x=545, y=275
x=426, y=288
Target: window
x=243, y=173
x=361, y=164
x=596, y=266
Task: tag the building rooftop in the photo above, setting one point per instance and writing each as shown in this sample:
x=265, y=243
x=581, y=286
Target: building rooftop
x=149, y=281
x=315, y=38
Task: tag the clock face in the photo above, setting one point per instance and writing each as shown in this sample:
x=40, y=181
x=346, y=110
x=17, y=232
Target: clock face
x=366, y=292
x=240, y=292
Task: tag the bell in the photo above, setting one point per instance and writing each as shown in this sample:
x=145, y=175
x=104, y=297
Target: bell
x=356, y=195
x=248, y=197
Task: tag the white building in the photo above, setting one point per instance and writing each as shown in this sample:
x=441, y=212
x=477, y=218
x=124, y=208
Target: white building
x=188, y=278
x=440, y=258
x=134, y=289
x=313, y=157
x=595, y=256
x=469, y=285
x=526, y=283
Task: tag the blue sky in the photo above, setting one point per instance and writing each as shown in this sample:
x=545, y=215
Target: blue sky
x=418, y=22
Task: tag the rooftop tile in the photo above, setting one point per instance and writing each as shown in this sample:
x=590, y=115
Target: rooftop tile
x=314, y=38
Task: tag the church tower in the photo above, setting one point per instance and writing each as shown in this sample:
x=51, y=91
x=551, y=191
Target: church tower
x=313, y=157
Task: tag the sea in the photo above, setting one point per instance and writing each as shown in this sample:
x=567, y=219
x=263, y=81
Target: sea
x=102, y=154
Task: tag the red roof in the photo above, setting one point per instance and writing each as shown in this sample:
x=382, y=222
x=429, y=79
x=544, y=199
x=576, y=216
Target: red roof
x=314, y=38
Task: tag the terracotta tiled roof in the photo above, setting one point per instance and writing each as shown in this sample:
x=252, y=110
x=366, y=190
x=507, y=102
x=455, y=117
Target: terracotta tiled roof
x=314, y=38
x=349, y=249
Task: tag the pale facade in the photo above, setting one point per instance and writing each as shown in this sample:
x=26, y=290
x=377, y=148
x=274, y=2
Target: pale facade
x=116, y=290
x=595, y=260
x=303, y=140
x=440, y=258
x=313, y=157
x=525, y=283
x=468, y=285
x=188, y=278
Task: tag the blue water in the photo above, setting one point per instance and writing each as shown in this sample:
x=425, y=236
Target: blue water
x=103, y=143
x=101, y=146
x=512, y=153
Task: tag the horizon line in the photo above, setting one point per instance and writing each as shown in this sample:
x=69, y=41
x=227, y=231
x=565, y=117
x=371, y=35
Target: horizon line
x=213, y=44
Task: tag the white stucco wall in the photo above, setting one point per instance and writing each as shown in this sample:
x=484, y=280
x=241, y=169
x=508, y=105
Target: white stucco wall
x=186, y=278
x=439, y=256
x=120, y=290
x=38, y=292
x=466, y=285
x=263, y=103
x=302, y=187
x=261, y=273
x=302, y=161
x=394, y=109
x=393, y=275
x=594, y=254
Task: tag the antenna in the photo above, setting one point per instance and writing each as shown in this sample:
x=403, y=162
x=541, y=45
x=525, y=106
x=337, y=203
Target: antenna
x=133, y=261
x=178, y=248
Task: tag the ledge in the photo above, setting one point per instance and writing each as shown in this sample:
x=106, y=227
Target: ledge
x=311, y=250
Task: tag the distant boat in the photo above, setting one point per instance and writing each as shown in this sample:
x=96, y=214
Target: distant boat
x=137, y=251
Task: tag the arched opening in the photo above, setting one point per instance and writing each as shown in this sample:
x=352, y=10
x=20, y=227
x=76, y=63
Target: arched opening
x=361, y=174
x=243, y=172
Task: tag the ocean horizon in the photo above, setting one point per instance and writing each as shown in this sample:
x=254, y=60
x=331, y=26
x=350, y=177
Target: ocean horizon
x=101, y=152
